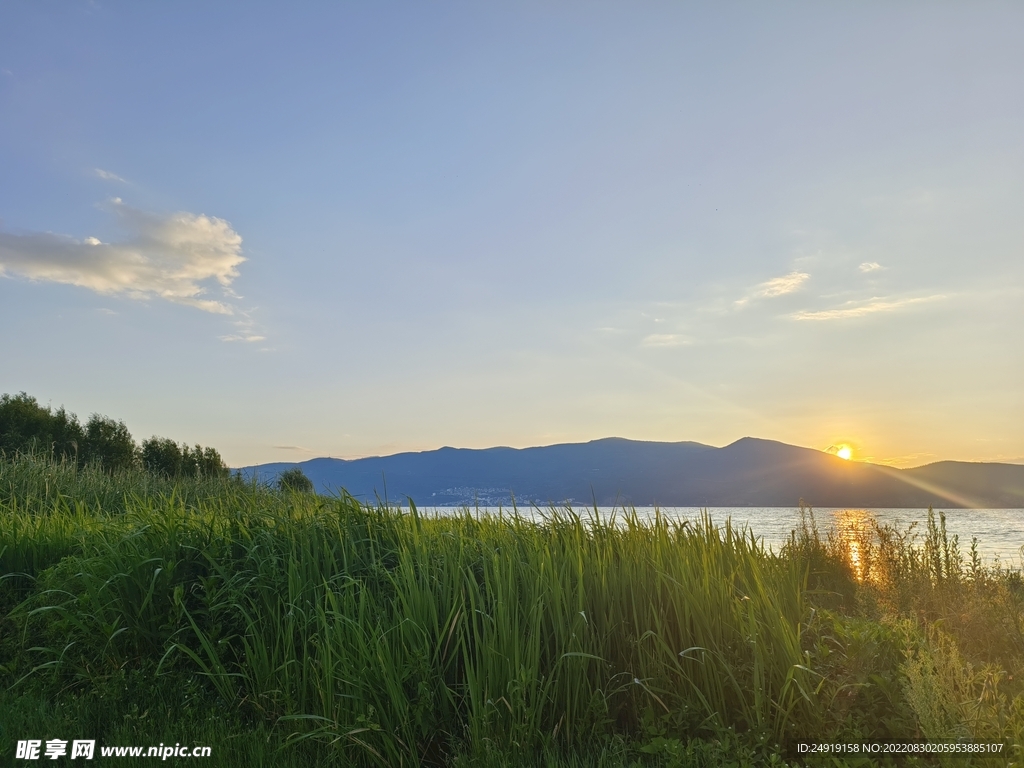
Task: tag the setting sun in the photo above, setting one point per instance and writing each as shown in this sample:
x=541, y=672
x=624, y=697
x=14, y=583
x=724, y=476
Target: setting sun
x=844, y=452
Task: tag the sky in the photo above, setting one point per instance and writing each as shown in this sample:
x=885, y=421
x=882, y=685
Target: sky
x=351, y=229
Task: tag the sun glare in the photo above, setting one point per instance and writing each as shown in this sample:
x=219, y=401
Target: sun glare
x=844, y=452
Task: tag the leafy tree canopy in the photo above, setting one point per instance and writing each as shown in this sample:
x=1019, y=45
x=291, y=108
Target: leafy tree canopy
x=163, y=456
x=28, y=427
x=109, y=444
x=295, y=479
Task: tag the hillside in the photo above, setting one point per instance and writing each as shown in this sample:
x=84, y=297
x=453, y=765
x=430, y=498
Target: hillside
x=748, y=472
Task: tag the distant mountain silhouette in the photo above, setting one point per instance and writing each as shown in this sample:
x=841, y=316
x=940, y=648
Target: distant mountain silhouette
x=749, y=472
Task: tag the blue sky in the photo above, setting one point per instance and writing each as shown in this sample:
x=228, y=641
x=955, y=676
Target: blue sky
x=353, y=229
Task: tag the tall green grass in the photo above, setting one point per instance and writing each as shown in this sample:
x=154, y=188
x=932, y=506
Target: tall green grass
x=377, y=636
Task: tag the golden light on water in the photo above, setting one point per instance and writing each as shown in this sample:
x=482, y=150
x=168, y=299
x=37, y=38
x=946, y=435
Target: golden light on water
x=854, y=528
x=855, y=558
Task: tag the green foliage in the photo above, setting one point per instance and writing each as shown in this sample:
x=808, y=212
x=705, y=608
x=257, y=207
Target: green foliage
x=109, y=444
x=26, y=426
x=353, y=635
x=161, y=456
x=295, y=479
x=166, y=458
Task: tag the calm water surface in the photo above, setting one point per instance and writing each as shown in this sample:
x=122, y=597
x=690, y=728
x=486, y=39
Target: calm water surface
x=1000, y=532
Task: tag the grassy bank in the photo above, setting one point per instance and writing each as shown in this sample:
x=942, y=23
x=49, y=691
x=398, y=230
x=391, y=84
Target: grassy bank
x=293, y=629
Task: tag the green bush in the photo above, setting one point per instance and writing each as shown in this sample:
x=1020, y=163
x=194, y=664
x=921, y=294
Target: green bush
x=295, y=479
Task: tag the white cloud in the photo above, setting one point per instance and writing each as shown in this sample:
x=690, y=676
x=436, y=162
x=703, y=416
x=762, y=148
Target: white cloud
x=246, y=325
x=777, y=286
x=870, y=266
x=665, y=340
x=860, y=309
x=171, y=257
x=108, y=176
x=780, y=286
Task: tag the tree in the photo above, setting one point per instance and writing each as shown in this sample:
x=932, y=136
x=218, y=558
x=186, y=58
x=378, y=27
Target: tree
x=66, y=436
x=26, y=426
x=201, y=462
x=109, y=444
x=161, y=456
x=211, y=464
x=165, y=457
x=295, y=479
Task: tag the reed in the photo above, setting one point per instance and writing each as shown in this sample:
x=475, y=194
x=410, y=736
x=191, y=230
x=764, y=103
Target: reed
x=379, y=636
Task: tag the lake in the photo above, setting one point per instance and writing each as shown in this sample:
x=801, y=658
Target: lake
x=1000, y=532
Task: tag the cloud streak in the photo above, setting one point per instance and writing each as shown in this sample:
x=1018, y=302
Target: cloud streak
x=108, y=176
x=247, y=332
x=174, y=257
x=861, y=309
x=777, y=286
x=780, y=286
x=665, y=340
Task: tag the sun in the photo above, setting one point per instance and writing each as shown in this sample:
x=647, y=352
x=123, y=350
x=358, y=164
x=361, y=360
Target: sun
x=843, y=450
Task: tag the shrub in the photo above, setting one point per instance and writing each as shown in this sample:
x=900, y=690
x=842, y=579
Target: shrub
x=295, y=479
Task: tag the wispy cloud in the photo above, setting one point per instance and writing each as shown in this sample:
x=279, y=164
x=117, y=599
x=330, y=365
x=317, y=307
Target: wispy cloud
x=870, y=266
x=780, y=286
x=108, y=176
x=665, y=340
x=777, y=286
x=247, y=329
x=861, y=309
x=171, y=257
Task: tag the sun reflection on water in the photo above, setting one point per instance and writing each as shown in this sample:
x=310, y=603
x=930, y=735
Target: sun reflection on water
x=854, y=528
x=854, y=547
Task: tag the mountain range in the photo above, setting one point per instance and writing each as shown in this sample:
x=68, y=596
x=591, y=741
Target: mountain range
x=616, y=471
